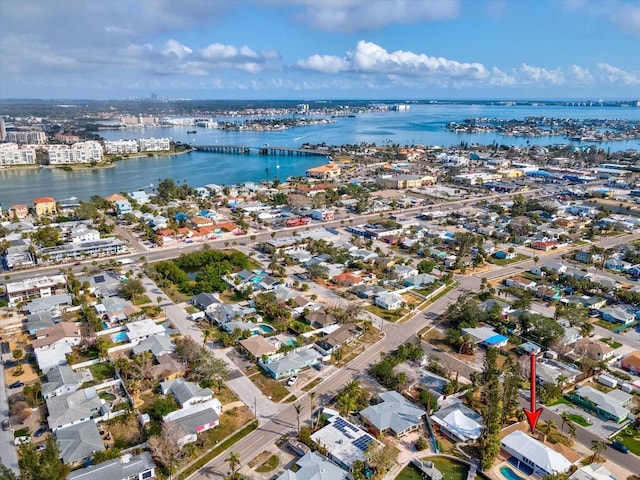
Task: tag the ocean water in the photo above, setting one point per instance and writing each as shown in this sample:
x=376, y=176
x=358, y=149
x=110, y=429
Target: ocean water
x=422, y=124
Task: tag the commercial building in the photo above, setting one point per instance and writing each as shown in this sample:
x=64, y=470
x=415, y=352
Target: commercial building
x=12, y=154
x=81, y=152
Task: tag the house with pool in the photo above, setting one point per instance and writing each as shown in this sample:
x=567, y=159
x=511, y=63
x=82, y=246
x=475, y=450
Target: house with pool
x=532, y=456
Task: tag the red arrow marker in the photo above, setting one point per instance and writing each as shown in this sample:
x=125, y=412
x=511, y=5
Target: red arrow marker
x=533, y=414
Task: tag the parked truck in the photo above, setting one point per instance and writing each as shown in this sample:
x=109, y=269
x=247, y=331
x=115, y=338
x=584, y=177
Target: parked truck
x=297, y=222
x=197, y=316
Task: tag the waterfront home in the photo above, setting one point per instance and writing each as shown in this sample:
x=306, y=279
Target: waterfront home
x=44, y=206
x=394, y=414
x=325, y=172
x=532, y=455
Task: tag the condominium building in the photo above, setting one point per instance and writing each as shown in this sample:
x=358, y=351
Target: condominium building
x=120, y=146
x=154, y=144
x=81, y=152
x=31, y=137
x=13, y=154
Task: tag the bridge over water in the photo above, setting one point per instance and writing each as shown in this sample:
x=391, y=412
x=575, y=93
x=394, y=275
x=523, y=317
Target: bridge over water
x=265, y=150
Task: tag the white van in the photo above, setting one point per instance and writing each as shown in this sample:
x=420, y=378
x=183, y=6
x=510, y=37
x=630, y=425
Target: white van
x=197, y=316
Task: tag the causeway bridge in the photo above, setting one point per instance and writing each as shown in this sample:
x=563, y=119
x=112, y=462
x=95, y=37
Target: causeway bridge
x=265, y=150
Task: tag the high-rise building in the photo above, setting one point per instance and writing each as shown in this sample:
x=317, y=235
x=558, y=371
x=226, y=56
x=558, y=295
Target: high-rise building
x=3, y=130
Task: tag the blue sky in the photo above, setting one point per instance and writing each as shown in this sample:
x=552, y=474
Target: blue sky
x=320, y=49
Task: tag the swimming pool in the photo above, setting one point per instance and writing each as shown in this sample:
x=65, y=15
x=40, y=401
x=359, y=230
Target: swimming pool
x=266, y=328
x=119, y=337
x=510, y=474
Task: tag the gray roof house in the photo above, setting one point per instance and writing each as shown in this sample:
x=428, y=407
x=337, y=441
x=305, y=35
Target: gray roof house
x=156, y=344
x=394, y=414
x=46, y=304
x=313, y=467
x=186, y=393
x=73, y=408
x=291, y=364
x=60, y=380
x=127, y=467
x=39, y=321
x=205, y=301
x=194, y=419
x=79, y=442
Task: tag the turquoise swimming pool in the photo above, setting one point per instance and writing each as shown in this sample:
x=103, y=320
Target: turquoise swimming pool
x=119, y=337
x=266, y=328
x=510, y=474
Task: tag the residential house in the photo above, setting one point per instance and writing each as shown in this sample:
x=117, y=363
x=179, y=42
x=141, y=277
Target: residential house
x=486, y=336
x=312, y=466
x=368, y=291
x=402, y=272
x=594, y=349
x=344, y=335
x=78, y=443
x=394, y=414
x=41, y=321
x=549, y=371
x=186, y=393
x=458, y=422
x=593, y=471
x=347, y=279
x=60, y=333
x=102, y=285
x=520, y=282
x=617, y=264
x=156, y=344
x=570, y=335
x=44, y=206
x=389, y=301
x=557, y=267
x=631, y=362
x=48, y=304
x=60, y=380
x=73, y=408
x=320, y=319
x=617, y=315
x=141, y=329
x=610, y=405
x=344, y=442
x=325, y=172
x=36, y=287
x=206, y=302
x=291, y=364
x=419, y=280
x=258, y=347
x=584, y=257
x=533, y=455
x=127, y=467
x=578, y=274
x=188, y=422
x=167, y=367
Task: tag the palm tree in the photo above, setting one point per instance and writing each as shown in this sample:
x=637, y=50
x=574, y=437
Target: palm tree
x=597, y=446
x=312, y=396
x=207, y=334
x=234, y=462
x=549, y=426
x=298, y=408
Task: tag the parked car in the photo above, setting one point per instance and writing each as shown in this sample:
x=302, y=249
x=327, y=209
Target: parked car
x=318, y=366
x=621, y=447
x=40, y=447
x=40, y=431
x=17, y=384
x=5, y=424
x=292, y=381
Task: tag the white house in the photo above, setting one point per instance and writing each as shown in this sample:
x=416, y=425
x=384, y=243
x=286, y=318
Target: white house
x=534, y=455
x=389, y=301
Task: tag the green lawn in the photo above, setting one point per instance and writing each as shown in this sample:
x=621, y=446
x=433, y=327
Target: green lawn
x=579, y=419
x=272, y=388
x=450, y=470
x=630, y=436
x=388, y=315
x=141, y=300
x=101, y=371
x=503, y=261
x=271, y=464
x=607, y=325
x=612, y=343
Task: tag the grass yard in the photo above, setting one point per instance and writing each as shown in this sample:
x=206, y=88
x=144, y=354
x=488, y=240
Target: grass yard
x=311, y=384
x=579, y=419
x=272, y=388
x=125, y=431
x=271, y=464
x=607, y=325
x=101, y=371
x=388, y=315
x=504, y=261
x=141, y=300
x=630, y=436
x=612, y=343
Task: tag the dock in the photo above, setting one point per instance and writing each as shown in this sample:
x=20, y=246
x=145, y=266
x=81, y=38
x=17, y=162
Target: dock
x=427, y=469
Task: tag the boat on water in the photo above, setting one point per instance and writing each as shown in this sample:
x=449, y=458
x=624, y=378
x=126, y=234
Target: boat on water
x=192, y=131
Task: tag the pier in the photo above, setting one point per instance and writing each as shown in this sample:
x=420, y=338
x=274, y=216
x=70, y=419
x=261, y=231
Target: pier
x=266, y=150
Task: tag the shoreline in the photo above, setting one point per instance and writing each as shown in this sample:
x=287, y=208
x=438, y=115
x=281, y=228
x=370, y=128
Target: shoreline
x=107, y=163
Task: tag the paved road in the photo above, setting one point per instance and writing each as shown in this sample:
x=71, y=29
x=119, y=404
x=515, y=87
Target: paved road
x=8, y=454
x=285, y=421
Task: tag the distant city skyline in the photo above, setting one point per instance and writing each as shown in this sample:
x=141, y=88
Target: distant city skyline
x=320, y=49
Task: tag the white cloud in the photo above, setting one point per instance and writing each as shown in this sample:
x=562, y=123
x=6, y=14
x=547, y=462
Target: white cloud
x=542, y=75
x=349, y=16
x=324, y=64
x=500, y=78
x=621, y=13
x=580, y=75
x=368, y=57
x=173, y=47
x=616, y=75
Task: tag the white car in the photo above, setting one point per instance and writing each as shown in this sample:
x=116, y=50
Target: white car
x=292, y=381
